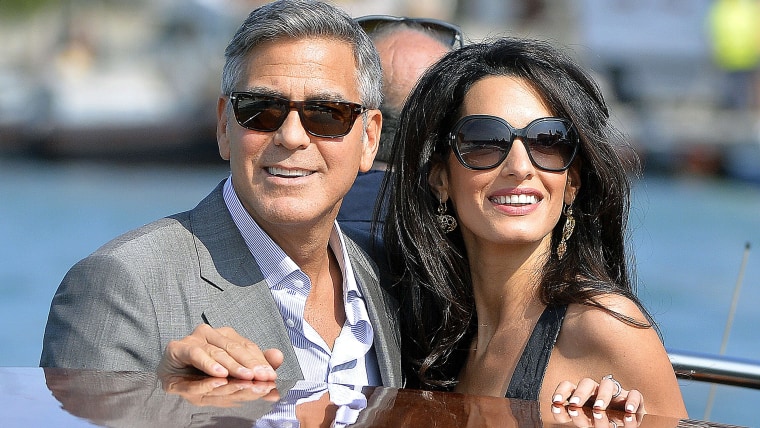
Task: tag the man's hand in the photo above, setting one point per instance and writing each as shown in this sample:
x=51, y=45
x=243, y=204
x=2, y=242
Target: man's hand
x=220, y=352
x=209, y=391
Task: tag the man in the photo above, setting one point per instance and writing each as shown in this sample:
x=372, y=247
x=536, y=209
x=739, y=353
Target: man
x=261, y=259
x=407, y=47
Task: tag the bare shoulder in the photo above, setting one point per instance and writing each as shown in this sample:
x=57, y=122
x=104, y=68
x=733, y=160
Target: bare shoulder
x=596, y=327
x=614, y=302
x=594, y=342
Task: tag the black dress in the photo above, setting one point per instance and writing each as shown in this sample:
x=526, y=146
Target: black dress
x=529, y=372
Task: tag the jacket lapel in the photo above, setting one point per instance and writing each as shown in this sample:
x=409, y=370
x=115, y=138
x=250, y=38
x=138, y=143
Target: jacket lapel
x=245, y=304
x=383, y=314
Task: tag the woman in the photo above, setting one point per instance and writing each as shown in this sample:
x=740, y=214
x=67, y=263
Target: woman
x=506, y=229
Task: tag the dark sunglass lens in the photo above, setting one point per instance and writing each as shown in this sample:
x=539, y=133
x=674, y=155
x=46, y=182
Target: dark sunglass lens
x=369, y=25
x=446, y=35
x=260, y=113
x=441, y=30
x=551, y=144
x=328, y=118
x=483, y=143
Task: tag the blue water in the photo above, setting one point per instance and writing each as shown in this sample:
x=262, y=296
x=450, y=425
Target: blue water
x=688, y=235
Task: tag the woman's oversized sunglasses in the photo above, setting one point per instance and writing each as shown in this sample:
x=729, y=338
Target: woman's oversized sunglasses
x=328, y=119
x=483, y=142
x=448, y=33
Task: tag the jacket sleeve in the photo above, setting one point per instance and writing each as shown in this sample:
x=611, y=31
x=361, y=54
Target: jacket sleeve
x=102, y=317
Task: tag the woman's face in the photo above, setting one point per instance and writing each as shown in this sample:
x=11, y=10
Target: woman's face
x=486, y=201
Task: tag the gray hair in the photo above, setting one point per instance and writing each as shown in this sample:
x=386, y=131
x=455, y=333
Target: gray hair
x=298, y=19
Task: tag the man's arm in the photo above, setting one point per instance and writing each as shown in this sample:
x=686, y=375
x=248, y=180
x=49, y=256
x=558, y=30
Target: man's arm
x=101, y=317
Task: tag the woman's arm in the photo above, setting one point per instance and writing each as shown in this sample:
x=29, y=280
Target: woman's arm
x=593, y=343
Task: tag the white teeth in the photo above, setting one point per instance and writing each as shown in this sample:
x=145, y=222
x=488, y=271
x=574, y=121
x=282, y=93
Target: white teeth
x=515, y=199
x=282, y=172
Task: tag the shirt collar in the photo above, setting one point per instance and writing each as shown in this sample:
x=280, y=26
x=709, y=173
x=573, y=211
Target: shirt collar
x=275, y=265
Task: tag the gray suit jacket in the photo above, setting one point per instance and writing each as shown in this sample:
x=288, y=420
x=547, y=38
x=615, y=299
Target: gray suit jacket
x=119, y=307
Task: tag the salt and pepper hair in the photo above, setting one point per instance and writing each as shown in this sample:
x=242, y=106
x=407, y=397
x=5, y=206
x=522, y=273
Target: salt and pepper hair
x=431, y=268
x=299, y=19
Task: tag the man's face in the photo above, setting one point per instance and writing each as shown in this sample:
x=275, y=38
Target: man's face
x=288, y=179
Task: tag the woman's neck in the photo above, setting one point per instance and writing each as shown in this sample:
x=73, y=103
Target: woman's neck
x=505, y=285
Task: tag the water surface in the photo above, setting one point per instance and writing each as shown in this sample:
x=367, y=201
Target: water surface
x=688, y=235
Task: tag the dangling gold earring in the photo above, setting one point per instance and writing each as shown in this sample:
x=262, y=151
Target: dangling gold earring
x=567, y=231
x=446, y=223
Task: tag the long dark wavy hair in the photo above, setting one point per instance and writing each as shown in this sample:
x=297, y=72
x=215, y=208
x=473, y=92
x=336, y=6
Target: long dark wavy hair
x=430, y=269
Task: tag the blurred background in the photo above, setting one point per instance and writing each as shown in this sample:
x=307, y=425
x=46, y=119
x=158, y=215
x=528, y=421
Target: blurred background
x=107, y=112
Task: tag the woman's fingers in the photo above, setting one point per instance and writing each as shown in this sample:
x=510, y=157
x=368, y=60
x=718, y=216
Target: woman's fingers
x=608, y=393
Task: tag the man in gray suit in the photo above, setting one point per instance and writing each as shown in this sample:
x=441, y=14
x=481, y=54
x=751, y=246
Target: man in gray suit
x=261, y=259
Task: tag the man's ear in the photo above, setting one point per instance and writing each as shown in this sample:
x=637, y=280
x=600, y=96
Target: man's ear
x=371, y=138
x=573, y=182
x=222, y=120
x=438, y=179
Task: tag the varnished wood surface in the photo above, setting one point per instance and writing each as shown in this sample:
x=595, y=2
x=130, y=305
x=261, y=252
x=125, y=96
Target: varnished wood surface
x=31, y=397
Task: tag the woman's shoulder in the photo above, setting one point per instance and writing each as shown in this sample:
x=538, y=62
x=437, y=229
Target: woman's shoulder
x=594, y=342
x=606, y=306
x=618, y=318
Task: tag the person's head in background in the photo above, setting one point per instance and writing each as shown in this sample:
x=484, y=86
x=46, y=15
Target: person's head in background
x=407, y=47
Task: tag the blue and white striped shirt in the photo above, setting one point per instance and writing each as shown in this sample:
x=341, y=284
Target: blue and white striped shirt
x=349, y=399
x=352, y=361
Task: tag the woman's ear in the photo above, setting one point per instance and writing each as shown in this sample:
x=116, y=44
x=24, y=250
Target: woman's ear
x=438, y=180
x=573, y=182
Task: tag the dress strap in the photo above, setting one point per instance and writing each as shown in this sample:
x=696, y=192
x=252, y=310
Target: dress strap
x=529, y=373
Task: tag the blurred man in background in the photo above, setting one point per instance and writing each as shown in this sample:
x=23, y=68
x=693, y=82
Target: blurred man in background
x=407, y=47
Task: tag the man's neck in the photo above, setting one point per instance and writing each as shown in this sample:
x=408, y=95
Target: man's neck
x=324, y=309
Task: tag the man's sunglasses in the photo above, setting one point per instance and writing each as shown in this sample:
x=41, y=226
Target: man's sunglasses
x=449, y=34
x=329, y=119
x=483, y=142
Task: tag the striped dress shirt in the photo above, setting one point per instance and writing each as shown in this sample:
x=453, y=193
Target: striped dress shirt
x=352, y=361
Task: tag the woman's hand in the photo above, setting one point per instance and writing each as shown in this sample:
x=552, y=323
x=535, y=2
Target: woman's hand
x=602, y=395
x=587, y=417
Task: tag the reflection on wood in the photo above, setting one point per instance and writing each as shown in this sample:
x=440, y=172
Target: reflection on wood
x=127, y=399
